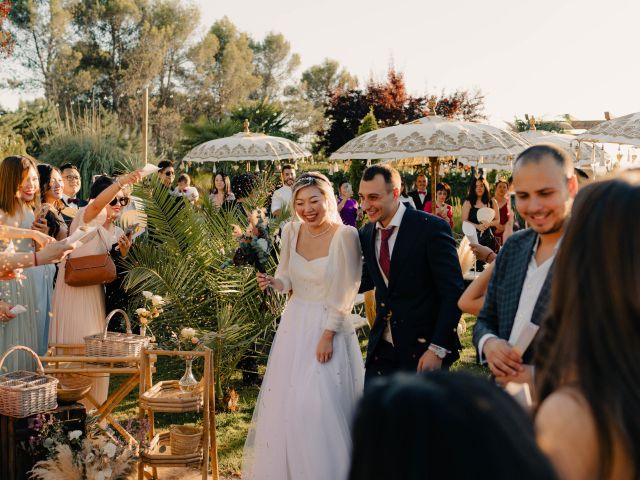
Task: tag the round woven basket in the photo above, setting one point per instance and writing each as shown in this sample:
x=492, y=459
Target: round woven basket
x=184, y=440
x=72, y=387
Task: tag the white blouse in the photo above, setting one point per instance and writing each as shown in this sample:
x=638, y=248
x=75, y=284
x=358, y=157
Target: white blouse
x=333, y=280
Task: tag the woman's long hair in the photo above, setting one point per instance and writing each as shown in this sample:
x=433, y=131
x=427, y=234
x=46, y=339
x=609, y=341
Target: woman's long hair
x=318, y=180
x=227, y=184
x=12, y=173
x=44, y=174
x=472, y=196
x=591, y=336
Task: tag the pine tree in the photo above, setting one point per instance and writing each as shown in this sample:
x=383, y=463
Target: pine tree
x=368, y=124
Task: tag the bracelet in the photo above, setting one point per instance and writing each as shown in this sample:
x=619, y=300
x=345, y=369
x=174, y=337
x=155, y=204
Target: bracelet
x=119, y=183
x=488, y=255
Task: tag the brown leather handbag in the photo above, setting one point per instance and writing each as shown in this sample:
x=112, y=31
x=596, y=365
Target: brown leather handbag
x=90, y=270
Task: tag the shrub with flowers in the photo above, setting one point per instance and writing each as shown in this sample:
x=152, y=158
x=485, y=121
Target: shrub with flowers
x=151, y=309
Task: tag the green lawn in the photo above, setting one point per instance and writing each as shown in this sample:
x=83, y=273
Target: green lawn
x=232, y=427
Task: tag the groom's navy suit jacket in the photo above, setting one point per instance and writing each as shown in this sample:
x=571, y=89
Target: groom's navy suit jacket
x=425, y=284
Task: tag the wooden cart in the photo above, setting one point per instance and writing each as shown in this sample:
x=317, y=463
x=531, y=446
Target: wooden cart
x=166, y=397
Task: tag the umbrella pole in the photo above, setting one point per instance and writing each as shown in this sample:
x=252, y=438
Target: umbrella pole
x=433, y=166
x=145, y=125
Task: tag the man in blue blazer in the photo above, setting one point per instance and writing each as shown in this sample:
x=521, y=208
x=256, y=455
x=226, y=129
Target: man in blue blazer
x=410, y=258
x=519, y=290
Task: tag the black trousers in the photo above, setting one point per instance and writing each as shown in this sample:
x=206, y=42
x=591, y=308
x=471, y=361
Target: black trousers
x=386, y=362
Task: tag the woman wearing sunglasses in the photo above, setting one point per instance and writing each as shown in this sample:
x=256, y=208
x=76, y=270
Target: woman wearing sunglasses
x=80, y=311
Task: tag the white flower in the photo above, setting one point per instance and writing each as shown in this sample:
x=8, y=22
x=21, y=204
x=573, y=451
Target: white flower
x=187, y=333
x=142, y=312
x=75, y=435
x=147, y=295
x=157, y=300
x=110, y=451
x=104, y=474
x=262, y=243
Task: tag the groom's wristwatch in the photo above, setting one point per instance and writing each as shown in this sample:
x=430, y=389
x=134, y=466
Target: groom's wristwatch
x=439, y=351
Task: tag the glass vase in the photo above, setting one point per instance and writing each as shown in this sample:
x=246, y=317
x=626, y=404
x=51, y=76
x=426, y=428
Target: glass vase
x=188, y=382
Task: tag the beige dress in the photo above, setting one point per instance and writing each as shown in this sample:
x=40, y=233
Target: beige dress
x=80, y=311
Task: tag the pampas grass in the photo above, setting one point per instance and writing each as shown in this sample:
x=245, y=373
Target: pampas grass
x=94, y=461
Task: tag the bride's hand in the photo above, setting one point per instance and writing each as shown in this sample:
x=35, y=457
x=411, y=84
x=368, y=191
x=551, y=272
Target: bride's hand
x=324, y=350
x=265, y=281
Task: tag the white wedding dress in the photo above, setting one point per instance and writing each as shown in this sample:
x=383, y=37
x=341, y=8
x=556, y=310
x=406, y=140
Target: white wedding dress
x=302, y=420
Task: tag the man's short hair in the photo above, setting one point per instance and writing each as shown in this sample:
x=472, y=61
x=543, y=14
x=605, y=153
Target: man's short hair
x=537, y=153
x=287, y=167
x=69, y=165
x=391, y=175
x=421, y=175
x=165, y=164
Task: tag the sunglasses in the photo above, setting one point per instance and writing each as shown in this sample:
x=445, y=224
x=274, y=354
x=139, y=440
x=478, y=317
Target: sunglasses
x=124, y=201
x=170, y=174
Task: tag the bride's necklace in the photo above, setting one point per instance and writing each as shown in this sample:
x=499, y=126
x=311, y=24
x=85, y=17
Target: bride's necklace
x=318, y=234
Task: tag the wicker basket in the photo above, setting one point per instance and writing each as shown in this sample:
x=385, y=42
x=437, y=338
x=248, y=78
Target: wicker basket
x=113, y=344
x=184, y=440
x=72, y=387
x=22, y=393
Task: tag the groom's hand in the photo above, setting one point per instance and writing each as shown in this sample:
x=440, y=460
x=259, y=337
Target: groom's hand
x=429, y=361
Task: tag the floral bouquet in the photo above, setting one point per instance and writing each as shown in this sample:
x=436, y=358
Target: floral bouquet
x=152, y=309
x=69, y=456
x=255, y=243
x=188, y=339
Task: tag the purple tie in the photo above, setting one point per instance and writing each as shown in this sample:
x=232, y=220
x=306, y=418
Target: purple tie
x=385, y=255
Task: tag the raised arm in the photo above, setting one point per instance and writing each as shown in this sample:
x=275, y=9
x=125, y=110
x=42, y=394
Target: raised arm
x=93, y=209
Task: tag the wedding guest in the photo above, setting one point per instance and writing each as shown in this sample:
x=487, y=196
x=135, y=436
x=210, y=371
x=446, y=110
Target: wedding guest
x=72, y=185
x=18, y=196
x=347, y=206
x=221, y=193
x=420, y=194
x=80, y=311
x=479, y=197
x=443, y=210
x=51, y=191
x=184, y=189
x=501, y=198
x=166, y=173
x=282, y=196
x=518, y=292
x=404, y=197
x=587, y=372
x=409, y=427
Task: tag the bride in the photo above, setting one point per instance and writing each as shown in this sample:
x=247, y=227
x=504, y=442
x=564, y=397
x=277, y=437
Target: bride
x=315, y=373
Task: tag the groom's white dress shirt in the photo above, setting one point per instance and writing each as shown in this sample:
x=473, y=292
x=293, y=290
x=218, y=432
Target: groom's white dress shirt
x=395, y=222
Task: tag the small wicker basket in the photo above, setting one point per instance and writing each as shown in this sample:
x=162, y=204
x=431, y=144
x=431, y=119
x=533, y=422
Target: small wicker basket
x=114, y=344
x=23, y=393
x=185, y=440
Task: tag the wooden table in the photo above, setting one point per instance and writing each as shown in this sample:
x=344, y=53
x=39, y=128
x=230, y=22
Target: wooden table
x=96, y=367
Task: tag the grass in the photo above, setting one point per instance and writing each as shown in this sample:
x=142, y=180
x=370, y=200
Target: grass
x=231, y=428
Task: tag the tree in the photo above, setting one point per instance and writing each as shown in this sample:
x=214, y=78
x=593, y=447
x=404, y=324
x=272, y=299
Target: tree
x=223, y=74
x=522, y=125
x=28, y=128
x=274, y=63
x=391, y=105
x=368, y=124
x=6, y=40
x=42, y=30
x=264, y=117
x=323, y=80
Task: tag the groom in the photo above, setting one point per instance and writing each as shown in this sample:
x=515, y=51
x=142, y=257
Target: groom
x=410, y=258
